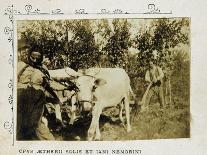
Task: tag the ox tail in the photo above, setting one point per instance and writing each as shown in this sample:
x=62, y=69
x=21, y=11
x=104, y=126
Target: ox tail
x=135, y=106
x=131, y=92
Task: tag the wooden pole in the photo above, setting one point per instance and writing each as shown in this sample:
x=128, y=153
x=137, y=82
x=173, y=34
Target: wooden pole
x=170, y=91
x=166, y=92
x=145, y=94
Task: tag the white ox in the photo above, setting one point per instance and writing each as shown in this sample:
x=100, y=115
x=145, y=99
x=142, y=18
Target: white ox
x=100, y=88
x=104, y=87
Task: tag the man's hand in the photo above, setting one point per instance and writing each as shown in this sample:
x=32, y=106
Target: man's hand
x=154, y=80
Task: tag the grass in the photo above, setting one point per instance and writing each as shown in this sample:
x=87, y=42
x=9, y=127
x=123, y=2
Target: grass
x=172, y=121
x=154, y=123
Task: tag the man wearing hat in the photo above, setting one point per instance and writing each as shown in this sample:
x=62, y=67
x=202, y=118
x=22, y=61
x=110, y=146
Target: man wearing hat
x=154, y=75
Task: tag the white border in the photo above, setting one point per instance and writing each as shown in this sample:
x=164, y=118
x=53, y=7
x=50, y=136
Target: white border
x=196, y=10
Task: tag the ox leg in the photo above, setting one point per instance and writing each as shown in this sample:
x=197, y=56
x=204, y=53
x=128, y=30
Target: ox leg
x=127, y=114
x=73, y=110
x=98, y=133
x=58, y=112
x=121, y=106
x=94, y=127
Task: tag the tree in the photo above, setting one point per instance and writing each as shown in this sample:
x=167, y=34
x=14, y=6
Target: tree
x=52, y=36
x=118, y=43
x=82, y=49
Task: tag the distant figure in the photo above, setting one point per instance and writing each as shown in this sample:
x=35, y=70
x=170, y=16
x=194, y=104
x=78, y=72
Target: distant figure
x=154, y=76
x=33, y=82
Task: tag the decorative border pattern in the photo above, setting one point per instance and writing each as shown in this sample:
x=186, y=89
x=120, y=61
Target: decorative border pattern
x=29, y=10
x=11, y=12
x=8, y=30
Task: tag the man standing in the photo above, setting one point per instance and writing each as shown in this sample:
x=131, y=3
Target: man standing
x=33, y=81
x=154, y=76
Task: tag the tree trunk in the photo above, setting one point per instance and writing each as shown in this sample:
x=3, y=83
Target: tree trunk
x=166, y=92
x=170, y=91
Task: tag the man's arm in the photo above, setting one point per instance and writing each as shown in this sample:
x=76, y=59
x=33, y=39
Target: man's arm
x=161, y=74
x=147, y=76
x=21, y=67
x=60, y=79
x=51, y=91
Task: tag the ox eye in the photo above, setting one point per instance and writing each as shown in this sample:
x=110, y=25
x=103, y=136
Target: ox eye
x=94, y=88
x=77, y=89
x=78, y=86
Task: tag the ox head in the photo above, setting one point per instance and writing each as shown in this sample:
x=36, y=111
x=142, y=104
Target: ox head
x=87, y=85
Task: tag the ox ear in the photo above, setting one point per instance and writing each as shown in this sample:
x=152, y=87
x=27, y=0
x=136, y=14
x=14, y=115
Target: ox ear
x=99, y=82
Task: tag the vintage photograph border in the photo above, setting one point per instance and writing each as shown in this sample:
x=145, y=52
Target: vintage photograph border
x=28, y=10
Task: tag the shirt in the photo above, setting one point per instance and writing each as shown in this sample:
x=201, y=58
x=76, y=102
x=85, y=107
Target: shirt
x=154, y=73
x=29, y=76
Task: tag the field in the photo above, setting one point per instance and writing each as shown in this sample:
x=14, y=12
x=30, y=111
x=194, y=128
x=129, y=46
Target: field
x=153, y=123
x=172, y=121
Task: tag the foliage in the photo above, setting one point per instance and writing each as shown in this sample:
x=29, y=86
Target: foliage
x=82, y=49
x=118, y=43
x=77, y=50
x=107, y=42
x=161, y=36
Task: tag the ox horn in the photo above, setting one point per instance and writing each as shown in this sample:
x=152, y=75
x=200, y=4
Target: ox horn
x=72, y=73
x=84, y=71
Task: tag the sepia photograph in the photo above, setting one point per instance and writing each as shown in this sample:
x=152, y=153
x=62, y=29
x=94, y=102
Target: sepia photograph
x=110, y=79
